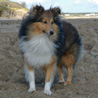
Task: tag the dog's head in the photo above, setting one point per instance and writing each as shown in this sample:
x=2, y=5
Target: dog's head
x=45, y=20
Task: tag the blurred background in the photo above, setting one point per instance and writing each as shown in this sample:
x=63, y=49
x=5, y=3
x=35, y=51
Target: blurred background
x=70, y=8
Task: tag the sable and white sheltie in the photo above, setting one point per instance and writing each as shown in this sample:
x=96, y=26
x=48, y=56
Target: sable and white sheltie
x=48, y=42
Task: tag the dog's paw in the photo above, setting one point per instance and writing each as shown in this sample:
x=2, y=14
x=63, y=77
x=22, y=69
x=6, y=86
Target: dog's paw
x=47, y=92
x=61, y=82
x=67, y=83
x=31, y=90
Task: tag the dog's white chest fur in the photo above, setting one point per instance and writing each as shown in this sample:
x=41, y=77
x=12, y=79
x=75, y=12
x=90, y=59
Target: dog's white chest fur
x=38, y=50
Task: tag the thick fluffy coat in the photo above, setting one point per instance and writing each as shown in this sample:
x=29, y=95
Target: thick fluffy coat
x=47, y=41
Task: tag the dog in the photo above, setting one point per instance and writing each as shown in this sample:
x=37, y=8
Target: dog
x=48, y=42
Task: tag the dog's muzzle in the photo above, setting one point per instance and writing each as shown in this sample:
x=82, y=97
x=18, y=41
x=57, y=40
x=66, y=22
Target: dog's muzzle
x=51, y=32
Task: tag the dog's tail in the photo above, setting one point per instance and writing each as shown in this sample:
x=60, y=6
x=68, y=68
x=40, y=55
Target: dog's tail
x=91, y=53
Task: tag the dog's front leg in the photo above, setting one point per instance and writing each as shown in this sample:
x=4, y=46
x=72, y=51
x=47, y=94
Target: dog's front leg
x=30, y=76
x=31, y=81
x=50, y=72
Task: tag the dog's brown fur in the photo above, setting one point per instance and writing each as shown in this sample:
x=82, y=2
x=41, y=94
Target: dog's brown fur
x=69, y=58
x=65, y=37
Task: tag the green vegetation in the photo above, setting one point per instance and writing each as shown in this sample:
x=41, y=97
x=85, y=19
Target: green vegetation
x=9, y=5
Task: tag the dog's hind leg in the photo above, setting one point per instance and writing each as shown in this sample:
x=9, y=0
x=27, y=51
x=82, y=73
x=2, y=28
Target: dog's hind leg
x=68, y=61
x=61, y=79
x=69, y=75
x=30, y=76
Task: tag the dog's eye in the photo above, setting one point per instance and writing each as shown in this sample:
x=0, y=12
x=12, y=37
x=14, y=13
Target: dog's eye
x=52, y=22
x=45, y=22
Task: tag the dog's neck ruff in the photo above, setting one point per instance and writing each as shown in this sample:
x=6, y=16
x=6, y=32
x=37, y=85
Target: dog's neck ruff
x=38, y=50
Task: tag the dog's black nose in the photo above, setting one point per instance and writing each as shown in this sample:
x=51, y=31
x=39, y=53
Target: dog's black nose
x=51, y=32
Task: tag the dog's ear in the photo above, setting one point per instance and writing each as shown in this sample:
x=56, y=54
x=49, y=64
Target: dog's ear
x=56, y=11
x=36, y=11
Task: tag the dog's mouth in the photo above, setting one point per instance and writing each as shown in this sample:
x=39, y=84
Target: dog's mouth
x=44, y=31
x=48, y=33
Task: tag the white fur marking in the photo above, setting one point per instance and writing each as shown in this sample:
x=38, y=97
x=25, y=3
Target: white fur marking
x=38, y=50
x=31, y=81
x=30, y=77
x=61, y=81
x=48, y=87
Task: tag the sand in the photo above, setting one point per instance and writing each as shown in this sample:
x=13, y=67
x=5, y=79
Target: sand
x=12, y=80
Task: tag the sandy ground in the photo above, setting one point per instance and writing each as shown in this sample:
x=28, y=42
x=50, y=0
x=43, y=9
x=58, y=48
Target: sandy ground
x=12, y=80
